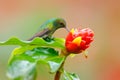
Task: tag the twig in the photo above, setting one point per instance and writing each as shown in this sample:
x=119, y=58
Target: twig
x=58, y=73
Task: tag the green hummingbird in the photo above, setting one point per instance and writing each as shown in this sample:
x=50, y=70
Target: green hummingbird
x=49, y=27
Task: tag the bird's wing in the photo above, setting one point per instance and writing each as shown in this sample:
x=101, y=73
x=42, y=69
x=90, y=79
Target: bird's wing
x=42, y=33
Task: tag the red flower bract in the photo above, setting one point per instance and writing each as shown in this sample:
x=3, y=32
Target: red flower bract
x=79, y=40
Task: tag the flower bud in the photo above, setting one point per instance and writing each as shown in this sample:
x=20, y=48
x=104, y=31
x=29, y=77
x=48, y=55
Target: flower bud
x=79, y=40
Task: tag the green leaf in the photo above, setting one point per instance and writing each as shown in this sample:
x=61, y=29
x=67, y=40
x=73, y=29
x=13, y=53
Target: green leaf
x=19, y=69
x=41, y=53
x=55, y=63
x=70, y=76
x=20, y=50
x=56, y=42
x=23, y=66
x=47, y=55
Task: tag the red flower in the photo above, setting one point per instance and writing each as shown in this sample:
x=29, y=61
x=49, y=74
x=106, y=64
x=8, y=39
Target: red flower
x=79, y=40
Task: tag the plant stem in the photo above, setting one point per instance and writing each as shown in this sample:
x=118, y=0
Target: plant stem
x=58, y=73
x=64, y=53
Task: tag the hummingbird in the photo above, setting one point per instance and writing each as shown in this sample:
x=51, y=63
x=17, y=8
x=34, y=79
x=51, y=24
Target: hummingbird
x=49, y=27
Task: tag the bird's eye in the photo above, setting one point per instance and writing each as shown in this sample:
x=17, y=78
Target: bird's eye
x=61, y=24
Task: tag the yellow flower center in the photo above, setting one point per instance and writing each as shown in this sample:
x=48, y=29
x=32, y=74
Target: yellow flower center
x=77, y=40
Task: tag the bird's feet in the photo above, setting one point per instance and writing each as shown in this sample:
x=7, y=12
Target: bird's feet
x=48, y=39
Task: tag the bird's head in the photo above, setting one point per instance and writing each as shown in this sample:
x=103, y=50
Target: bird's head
x=59, y=23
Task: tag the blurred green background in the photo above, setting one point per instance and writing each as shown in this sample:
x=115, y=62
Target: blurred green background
x=22, y=18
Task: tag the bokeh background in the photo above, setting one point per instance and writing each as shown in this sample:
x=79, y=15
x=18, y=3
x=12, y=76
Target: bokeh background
x=22, y=18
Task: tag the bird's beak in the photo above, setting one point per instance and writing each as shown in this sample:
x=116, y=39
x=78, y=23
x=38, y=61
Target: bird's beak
x=67, y=29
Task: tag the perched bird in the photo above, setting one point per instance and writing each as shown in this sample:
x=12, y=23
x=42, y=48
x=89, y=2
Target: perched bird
x=49, y=27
